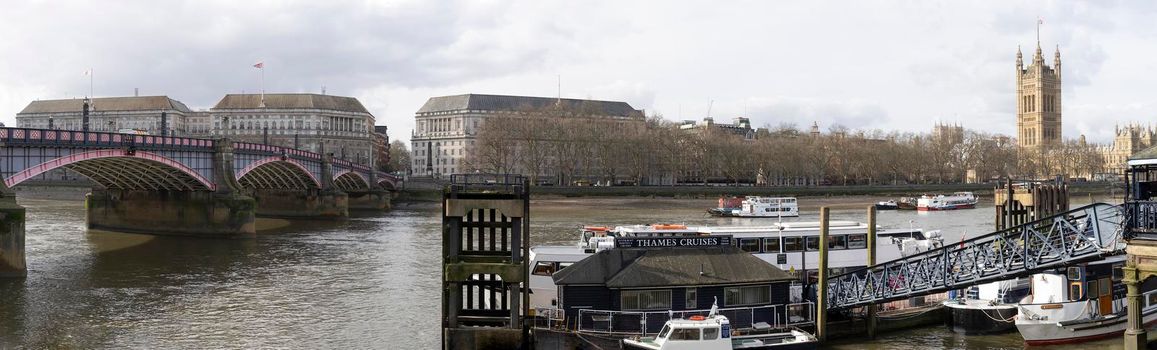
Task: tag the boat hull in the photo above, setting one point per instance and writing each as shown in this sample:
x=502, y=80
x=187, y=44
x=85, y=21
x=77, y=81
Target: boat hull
x=1038, y=333
x=981, y=319
x=952, y=207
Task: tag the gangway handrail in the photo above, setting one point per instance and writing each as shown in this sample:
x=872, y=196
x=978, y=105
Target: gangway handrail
x=1084, y=234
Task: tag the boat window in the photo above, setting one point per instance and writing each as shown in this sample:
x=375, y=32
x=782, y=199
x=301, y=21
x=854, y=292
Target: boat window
x=752, y=295
x=749, y=244
x=793, y=244
x=563, y=265
x=710, y=333
x=646, y=300
x=813, y=243
x=859, y=241
x=1105, y=286
x=1093, y=289
x=1117, y=273
x=838, y=242
x=544, y=268
x=664, y=332
x=771, y=245
x=685, y=334
x=1075, y=291
x=1151, y=298
x=691, y=298
x=1074, y=273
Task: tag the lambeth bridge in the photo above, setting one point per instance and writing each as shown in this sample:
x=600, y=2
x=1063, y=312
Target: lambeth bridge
x=182, y=186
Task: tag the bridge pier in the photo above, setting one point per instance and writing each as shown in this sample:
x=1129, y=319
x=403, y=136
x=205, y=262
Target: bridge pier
x=312, y=203
x=190, y=213
x=12, y=263
x=370, y=200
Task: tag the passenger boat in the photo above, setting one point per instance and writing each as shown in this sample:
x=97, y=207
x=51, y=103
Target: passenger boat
x=1081, y=303
x=757, y=207
x=990, y=308
x=790, y=246
x=887, y=205
x=958, y=200
x=713, y=332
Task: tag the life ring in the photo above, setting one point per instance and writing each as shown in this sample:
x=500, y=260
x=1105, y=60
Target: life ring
x=697, y=318
x=668, y=227
x=595, y=228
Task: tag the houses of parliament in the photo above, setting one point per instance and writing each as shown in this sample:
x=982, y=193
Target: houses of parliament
x=1038, y=117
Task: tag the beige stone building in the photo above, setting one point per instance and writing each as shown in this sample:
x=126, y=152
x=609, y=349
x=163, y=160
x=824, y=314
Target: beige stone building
x=1128, y=140
x=446, y=127
x=311, y=122
x=740, y=126
x=1038, y=91
x=154, y=115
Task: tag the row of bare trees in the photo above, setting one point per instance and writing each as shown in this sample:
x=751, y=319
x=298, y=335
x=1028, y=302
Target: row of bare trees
x=552, y=147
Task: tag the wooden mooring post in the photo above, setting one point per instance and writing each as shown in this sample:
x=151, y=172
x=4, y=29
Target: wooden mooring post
x=1017, y=204
x=822, y=284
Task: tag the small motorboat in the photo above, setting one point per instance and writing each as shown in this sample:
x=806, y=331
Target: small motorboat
x=713, y=332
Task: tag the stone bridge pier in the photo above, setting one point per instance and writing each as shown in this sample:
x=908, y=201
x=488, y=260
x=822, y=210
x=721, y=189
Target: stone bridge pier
x=223, y=212
x=11, y=236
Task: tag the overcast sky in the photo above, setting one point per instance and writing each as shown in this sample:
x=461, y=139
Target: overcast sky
x=901, y=65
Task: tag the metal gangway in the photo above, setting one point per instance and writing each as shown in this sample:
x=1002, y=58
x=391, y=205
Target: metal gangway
x=1088, y=233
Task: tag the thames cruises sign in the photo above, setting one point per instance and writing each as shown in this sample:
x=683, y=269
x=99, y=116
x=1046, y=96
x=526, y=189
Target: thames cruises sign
x=673, y=242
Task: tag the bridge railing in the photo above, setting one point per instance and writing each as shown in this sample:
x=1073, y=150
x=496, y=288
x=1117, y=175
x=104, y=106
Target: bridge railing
x=26, y=136
x=274, y=150
x=1083, y=234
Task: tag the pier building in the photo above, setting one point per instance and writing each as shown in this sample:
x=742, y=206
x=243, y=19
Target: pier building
x=446, y=127
x=624, y=289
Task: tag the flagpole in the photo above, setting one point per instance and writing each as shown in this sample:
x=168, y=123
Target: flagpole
x=90, y=73
x=262, y=84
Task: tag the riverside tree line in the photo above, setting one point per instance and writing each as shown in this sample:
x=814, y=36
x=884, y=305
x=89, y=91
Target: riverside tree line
x=559, y=148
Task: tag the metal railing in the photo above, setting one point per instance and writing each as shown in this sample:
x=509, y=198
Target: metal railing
x=490, y=183
x=1084, y=234
x=41, y=137
x=549, y=318
x=1140, y=218
x=650, y=322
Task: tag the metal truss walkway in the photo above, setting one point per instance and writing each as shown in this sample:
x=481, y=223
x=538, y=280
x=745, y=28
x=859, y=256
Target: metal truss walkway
x=1084, y=234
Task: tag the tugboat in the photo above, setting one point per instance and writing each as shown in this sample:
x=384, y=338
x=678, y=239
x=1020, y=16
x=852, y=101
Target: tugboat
x=714, y=332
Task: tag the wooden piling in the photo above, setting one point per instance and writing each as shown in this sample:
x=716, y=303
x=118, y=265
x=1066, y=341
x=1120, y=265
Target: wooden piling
x=871, y=262
x=822, y=284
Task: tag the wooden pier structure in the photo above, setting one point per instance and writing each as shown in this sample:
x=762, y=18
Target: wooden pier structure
x=1024, y=202
x=485, y=248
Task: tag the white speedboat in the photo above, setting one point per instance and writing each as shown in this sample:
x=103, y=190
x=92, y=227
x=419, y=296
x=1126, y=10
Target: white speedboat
x=1079, y=304
x=713, y=332
x=958, y=200
x=759, y=207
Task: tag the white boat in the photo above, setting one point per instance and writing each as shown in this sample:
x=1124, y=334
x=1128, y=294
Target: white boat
x=760, y=207
x=713, y=332
x=1079, y=304
x=791, y=246
x=990, y=308
x=958, y=200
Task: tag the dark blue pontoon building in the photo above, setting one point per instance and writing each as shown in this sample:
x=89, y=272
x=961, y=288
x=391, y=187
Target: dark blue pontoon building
x=624, y=289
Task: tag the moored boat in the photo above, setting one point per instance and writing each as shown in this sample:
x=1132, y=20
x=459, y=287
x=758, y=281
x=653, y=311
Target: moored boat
x=958, y=200
x=757, y=207
x=989, y=308
x=713, y=332
x=1081, y=303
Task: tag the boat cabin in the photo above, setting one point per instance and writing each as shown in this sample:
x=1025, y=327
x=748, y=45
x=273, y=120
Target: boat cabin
x=614, y=289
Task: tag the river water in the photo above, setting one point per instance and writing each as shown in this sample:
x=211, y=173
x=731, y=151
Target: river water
x=368, y=282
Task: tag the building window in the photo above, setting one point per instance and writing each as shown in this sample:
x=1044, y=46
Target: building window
x=691, y=298
x=646, y=300
x=737, y=296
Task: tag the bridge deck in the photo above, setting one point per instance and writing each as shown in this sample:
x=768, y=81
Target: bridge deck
x=1083, y=234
